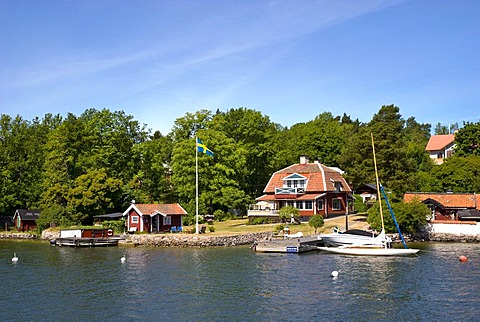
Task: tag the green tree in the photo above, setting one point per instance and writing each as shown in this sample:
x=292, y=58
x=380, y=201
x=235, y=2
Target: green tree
x=287, y=213
x=152, y=181
x=253, y=132
x=457, y=174
x=316, y=221
x=92, y=193
x=467, y=140
x=410, y=217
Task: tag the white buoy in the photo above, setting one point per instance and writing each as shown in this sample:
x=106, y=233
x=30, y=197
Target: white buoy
x=15, y=258
x=123, y=259
x=334, y=273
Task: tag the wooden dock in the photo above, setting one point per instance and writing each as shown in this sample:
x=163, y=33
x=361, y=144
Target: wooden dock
x=294, y=245
x=86, y=242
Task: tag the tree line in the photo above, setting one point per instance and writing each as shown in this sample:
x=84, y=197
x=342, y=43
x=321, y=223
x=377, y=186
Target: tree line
x=76, y=167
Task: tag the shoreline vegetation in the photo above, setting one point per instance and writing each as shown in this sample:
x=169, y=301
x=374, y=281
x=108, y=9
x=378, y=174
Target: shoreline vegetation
x=237, y=232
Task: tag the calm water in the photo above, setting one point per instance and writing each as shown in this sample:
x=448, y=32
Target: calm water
x=235, y=284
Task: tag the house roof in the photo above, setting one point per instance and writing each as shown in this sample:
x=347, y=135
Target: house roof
x=301, y=197
x=448, y=200
x=320, y=178
x=439, y=142
x=114, y=215
x=153, y=209
x=27, y=214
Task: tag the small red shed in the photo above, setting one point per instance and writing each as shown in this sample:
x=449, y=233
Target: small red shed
x=154, y=218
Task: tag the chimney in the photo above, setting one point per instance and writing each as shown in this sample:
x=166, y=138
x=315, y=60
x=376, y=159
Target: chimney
x=317, y=161
x=304, y=159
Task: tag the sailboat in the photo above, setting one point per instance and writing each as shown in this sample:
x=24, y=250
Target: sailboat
x=383, y=248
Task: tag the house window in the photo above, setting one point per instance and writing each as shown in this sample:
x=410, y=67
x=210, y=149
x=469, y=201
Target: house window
x=337, y=204
x=167, y=220
x=300, y=205
x=134, y=219
x=308, y=204
x=320, y=204
x=291, y=203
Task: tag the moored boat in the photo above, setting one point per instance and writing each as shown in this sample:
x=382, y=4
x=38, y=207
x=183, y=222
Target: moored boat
x=86, y=238
x=354, y=236
x=369, y=250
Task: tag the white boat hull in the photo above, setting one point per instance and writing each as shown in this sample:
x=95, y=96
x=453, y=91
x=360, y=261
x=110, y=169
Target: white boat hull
x=347, y=239
x=369, y=250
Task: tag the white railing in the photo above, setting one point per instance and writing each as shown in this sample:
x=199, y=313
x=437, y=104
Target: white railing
x=289, y=191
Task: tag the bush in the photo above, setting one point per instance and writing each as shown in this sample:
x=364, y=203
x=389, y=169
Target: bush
x=410, y=216
x=287, y=212
x=316, y=221
x=118, y=226
x=211, y=229
x=279, y=228
x=359, y=206
x=259, y=221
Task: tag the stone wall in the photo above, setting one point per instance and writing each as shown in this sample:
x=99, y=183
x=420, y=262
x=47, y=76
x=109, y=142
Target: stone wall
x=7, y=235
x=191, y=240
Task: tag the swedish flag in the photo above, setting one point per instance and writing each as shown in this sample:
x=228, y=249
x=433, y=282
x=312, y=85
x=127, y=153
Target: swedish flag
x=202, y=148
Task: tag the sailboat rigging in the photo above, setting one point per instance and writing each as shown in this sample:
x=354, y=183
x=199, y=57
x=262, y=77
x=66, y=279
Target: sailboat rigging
x=375, y=250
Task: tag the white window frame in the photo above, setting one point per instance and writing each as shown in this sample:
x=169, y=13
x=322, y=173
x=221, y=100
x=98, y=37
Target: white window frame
x=320, y=201
x=135, y=219
x=308, y=204
x=339, y=204
x=167, y=220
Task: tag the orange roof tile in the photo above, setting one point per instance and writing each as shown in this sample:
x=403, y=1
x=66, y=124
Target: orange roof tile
x=320, y=178
x=439, y=142
x=166, y=209
x=449, y=200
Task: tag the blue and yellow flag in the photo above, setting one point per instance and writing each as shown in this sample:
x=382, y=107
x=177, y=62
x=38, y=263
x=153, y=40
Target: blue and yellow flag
x=202, y=148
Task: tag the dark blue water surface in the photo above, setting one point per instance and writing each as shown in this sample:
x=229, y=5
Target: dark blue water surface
x=235, y=284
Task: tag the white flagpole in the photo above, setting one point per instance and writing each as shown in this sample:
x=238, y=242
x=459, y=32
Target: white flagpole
x=196, y=186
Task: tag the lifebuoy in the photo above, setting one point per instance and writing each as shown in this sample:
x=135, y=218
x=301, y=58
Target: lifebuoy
x=110, y=232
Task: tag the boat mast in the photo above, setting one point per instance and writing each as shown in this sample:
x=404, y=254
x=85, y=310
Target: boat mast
x=378, y=184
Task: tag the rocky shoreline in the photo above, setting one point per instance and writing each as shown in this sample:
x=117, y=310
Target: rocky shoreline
x=192, y=240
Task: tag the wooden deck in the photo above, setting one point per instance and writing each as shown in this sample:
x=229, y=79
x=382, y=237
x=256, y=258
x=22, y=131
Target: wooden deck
x=294, y=245
x=86, y=242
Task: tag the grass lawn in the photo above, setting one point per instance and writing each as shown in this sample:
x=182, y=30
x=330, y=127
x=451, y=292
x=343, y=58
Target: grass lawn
x=239, y=226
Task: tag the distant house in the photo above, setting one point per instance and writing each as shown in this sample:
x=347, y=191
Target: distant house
x=25, y=219
x=368, y=192
x=449, y=206
x=313, y=188
x=440, y=147
x=6, y=222
x=154, y=218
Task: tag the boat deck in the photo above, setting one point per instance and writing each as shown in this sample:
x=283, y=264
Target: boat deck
x=294, y=245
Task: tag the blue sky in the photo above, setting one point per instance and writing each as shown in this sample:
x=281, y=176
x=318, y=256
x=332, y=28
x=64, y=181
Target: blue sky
x=291, y=60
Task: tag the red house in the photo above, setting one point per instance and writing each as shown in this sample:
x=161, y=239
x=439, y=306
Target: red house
x=448, y=206
x=25, y=220
x=313, y=188
x=154, y=218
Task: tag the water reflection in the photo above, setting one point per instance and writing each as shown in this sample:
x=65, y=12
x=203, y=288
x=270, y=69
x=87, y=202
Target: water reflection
x=235, y=284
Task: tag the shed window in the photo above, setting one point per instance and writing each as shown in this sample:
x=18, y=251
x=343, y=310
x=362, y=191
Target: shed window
x=167, y=220
x=134, y=219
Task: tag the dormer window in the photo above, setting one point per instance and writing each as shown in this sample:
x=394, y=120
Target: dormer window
x=294, y=181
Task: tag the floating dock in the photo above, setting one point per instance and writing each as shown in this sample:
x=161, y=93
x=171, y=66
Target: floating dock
x=86, y=242
x=293, y=245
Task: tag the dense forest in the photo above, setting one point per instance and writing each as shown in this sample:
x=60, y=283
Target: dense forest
x=75, y=167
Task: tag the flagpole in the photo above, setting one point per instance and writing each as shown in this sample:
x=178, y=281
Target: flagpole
x=196, y=186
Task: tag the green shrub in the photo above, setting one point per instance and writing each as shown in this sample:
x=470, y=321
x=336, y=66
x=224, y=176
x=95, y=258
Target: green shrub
x=316, y=221
x=359, y=206
x=118, y=226
x=211, y=229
